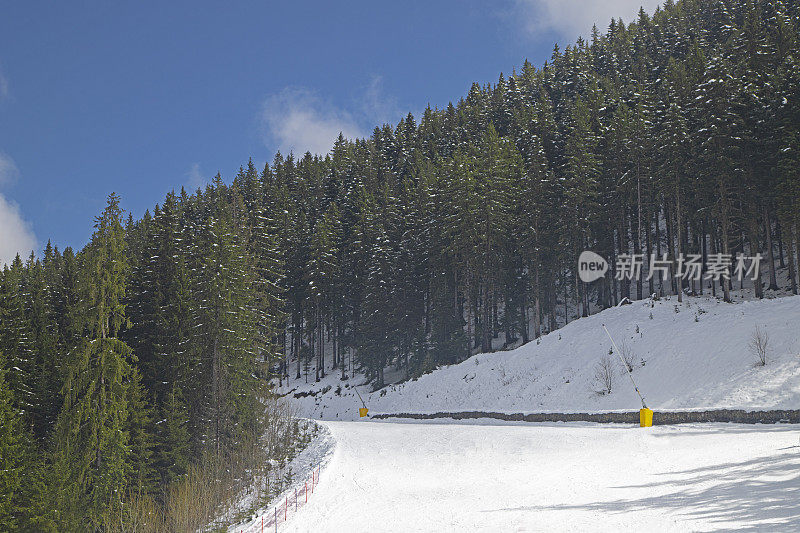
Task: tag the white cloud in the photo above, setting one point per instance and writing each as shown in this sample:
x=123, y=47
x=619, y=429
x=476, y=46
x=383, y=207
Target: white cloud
x=299, y=120
x=16, y=234
x=3, y=86
x=194, y=178
x=8, y=170
x=571, y=18
x=377, y=107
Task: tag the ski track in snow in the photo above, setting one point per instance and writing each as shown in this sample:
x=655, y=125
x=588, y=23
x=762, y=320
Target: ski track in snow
x=407, y=477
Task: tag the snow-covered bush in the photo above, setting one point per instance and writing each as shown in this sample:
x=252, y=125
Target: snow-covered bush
x=628, y=355
x=604, y=375
x=759, y=341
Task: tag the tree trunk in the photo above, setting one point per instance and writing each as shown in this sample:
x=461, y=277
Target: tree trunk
x=726, y=292
x=713, y=245
x=648, y=253
x=297, y=339
x=321, y=345
x=537, y=312
x=615, y=289
x=427, y=297
x=796, y=233
x=495, y=322
x=507, y=321
x=703, y=254
x=341, y=351
x=679, y=242
x=670, y=248
x=468, y=304
x=312, y=338
x=566, y=297
x=753, y=241
x=658, y=249
x=215, y=394
x=638, y=241
x=790, y=256
x=622, y=245
x=773, y=283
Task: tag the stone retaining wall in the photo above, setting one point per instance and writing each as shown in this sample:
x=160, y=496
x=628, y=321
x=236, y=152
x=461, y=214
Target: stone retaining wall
x=738, y=416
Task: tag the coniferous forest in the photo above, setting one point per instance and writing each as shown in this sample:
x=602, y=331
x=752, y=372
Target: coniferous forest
x=129, y=364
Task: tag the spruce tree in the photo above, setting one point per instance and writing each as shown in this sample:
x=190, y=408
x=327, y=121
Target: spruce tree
x=17, y=461
x=92, y=433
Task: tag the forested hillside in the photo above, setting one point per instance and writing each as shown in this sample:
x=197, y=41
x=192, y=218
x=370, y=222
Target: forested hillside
x=134, y=372
x=129, y=363
x=675, y=134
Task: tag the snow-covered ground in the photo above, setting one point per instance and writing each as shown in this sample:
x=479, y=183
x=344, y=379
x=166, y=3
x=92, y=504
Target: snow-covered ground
x=492, y=476
x=687, y=356
x=563, y=477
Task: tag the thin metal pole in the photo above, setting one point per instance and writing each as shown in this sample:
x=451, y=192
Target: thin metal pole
x=630, y=375
x=359, y=397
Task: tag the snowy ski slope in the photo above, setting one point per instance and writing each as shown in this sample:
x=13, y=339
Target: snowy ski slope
x=689, y=355
x=404, y=477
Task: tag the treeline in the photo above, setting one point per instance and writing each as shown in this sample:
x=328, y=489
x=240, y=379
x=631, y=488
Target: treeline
x=134, y=373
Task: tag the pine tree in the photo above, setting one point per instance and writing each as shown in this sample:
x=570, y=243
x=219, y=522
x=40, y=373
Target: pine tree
x=172, y=435
x=45, y=365
x=377, y=328
x=323, y=273
x=140, y=462
x=581, y=177
x=16, y=337
x=16, y=460
x=92, y=433
x=717, y=141
x=225, y=379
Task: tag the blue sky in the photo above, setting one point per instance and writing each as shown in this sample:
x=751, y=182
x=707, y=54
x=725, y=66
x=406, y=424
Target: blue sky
x=145, y=97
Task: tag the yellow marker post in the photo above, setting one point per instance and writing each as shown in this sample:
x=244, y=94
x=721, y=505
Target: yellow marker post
x=645, y=414
x=362, y=411
x=645, y=418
